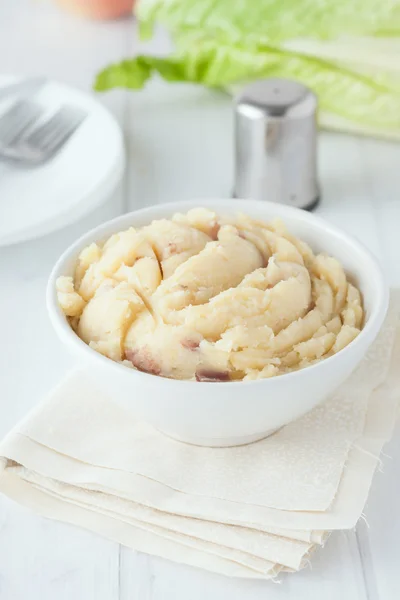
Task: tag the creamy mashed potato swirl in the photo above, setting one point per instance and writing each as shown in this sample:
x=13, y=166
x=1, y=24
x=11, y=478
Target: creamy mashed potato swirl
x=211, y=298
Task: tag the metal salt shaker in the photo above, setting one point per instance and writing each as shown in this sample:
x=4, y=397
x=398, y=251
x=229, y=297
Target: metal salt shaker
x=276, y=143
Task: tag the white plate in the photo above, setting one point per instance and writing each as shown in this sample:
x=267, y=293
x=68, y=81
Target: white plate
x=34, y=202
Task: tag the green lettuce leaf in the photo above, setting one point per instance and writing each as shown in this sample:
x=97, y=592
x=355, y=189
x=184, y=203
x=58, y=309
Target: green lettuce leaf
x=350, y=94
x=271, y=21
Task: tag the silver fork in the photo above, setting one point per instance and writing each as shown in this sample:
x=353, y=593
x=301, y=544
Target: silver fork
x=16, y=120
x=27, y=140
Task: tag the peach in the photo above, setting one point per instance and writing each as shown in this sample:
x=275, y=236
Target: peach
x=99, y=9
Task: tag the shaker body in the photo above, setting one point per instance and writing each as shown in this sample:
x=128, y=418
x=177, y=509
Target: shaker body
x=276, y=143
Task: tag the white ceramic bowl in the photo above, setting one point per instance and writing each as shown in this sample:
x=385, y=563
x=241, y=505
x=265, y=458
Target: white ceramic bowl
x=229, y=413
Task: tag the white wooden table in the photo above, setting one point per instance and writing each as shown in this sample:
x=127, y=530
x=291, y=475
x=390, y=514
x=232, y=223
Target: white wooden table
x=172, y=154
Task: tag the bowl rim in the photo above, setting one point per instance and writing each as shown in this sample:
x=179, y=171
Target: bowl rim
x=65, y=331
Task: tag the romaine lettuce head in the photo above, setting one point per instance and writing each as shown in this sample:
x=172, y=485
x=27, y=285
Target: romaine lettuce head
x=226, y=43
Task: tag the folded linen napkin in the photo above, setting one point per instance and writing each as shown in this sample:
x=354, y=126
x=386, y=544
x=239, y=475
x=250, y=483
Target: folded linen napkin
x=250, y=511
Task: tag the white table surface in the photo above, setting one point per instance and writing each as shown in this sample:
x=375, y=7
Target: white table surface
x=172, y=154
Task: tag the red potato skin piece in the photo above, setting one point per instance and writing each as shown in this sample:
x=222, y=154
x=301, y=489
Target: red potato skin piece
x=190, y=344
x=171, y=249
x=143, y=361
x=210, y=375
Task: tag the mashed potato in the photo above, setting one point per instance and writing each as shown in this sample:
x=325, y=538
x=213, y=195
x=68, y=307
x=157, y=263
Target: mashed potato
x=211, y=298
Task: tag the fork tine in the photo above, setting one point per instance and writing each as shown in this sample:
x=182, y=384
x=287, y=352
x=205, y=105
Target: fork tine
x=36, y=145
x=16, y=110
x=41, y=135
x=57, y=130
x=15, y=121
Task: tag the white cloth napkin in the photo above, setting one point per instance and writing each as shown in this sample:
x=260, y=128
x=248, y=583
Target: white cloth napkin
x=250, y=511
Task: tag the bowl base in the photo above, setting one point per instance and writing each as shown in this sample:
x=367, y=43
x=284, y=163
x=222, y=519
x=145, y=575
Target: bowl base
x=224, y=442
